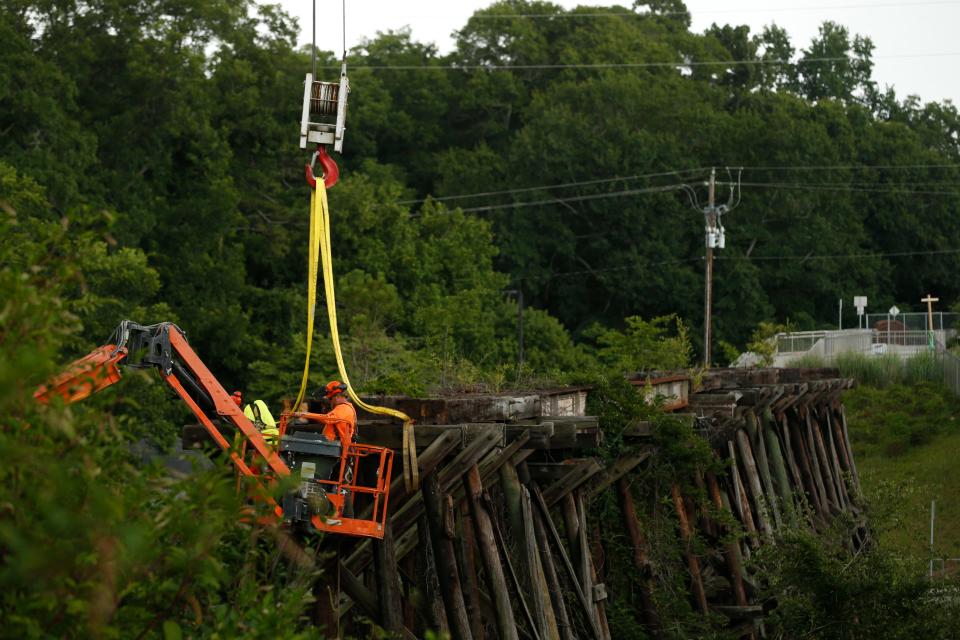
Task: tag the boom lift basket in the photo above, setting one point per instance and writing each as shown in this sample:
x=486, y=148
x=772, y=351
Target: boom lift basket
x=324, y=116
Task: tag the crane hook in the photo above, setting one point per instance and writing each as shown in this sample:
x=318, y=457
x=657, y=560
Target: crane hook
x=331, y=172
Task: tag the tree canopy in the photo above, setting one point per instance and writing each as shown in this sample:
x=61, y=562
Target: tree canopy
x=557, y=155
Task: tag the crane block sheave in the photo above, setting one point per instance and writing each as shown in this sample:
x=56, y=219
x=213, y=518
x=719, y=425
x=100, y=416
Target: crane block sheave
x=323, y=470
x=324, y=117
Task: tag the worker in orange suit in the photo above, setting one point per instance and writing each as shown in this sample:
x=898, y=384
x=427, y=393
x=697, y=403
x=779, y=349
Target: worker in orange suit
x=341, y=421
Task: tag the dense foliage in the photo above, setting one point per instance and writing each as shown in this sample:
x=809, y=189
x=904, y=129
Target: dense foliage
x=149, y=170
x=95, y=541
x=168, y=130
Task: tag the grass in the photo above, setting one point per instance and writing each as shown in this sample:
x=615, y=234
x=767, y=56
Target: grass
x=880, y=371
x=906, y=440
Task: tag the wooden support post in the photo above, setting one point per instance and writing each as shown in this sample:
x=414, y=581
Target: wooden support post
x=753, y=481
x=435, y=503
x=428, y=580
x=778, y=465
x=552, y=578
x=753, y=537
x=824, y=463
x=364, y=598
x=845, y=456
x=846, y=440
x=571, y=525
x=740, y=500
x=585, y=605
x=762, y=463
x=817, y=498
x=584, y=566
x=325, y=610
x=784, y=428
x=693, y=563
x=520, y=514
x=835, y=462
x=411, y=596
x=704, y=522
x=500, y=594
x=388, y=592
x=841, y=459
x=468, y=568
x=640, y=561
x=731, y=549
x=597, y=581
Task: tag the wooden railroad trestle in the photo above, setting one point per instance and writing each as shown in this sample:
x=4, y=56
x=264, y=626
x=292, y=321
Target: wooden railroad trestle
x=498, y=542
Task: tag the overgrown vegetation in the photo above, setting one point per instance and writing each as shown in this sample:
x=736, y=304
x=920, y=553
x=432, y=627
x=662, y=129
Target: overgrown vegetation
x=93, y=543
x=883, y=370
x=149, y=170
x=818, y=588
x=893, y=419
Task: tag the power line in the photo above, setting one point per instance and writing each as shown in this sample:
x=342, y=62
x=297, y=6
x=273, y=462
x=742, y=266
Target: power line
x=680, y=172
x=833, y=167
x=633, y=65
x=548, y=187
x=563, y=274
x=638, y=267
x=593, y=196
x=842, y=188
x=894, y=254
x=630, y=14
x=836, y=187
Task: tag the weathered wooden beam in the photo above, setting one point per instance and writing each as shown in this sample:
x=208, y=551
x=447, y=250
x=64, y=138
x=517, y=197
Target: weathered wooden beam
x=435, y=502
x=579, y=472
x=466, y=548
x=693, y=563
x=763, y=465
x=812, y=482
x=359, y=594
x=823, y=464
x=435, y=613
x=777, y=463
x=731, y=549
x=541, y=504
x=553, y=580
x=388, y=592
x=846, y=440
x=518, y=508
x=534, y=629
x=599, y=586
x=427, y=461
x=617, y=470
x=783, y=426
x=834, y=459
x=640, y=561
x=486, y=543
x=753, y=482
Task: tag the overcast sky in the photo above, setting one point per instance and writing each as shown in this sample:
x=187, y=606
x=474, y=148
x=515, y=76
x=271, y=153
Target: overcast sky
x=908, y=34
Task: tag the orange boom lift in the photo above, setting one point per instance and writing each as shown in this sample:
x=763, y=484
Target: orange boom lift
x=326, y=469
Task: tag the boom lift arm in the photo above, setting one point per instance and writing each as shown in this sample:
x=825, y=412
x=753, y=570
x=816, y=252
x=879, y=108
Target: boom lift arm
x=164, y=347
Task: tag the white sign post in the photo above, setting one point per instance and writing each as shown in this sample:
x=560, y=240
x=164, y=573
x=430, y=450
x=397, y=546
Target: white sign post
x=891, y=312
x=860, y=302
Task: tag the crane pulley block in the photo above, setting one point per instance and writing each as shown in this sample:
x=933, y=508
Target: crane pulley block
x=324, y=116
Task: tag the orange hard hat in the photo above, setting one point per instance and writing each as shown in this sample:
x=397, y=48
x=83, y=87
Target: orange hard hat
x=334, y=387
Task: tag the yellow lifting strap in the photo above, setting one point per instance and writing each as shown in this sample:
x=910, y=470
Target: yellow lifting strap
x=320, y=247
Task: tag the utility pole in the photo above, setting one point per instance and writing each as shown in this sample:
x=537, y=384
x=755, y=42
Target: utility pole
x=710, y=213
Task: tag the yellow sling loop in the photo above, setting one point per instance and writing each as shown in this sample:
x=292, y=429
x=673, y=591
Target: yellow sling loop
x=320, y=244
